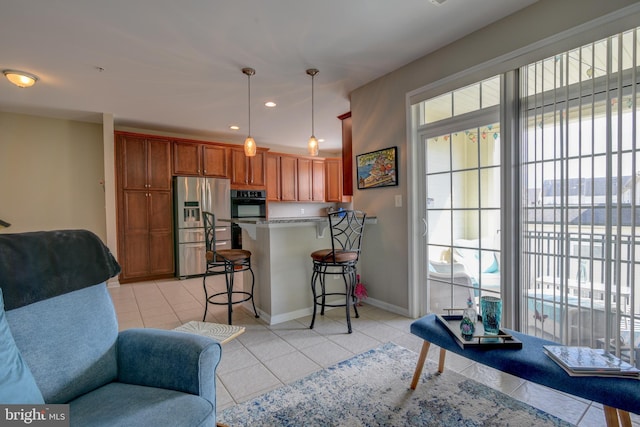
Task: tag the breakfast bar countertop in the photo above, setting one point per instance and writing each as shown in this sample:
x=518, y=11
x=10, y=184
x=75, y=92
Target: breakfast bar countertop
x=280, y=256
x=286, y=220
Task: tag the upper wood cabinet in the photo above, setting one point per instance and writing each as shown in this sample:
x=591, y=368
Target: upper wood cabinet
x=347, y=156
x=288, y=178
x=192, y=158
x=214, y=161
x=305, y=180
x=145, y=163
x=310, y=180
x=292, y=178
x=272, y=166
x=247, y=172
x=334, y=179
x=318, y=181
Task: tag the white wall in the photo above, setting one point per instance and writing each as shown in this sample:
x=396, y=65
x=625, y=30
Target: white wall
x=379, y=116
x=51, y=174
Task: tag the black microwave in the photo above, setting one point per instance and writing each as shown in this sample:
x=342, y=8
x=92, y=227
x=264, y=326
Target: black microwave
x=248, y=204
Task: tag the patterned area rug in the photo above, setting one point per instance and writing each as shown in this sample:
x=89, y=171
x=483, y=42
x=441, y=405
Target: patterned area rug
x=372, y=389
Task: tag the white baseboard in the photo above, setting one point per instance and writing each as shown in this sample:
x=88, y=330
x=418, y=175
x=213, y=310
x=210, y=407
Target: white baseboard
x=388, y=307
x=113, y=283
x=291, y=315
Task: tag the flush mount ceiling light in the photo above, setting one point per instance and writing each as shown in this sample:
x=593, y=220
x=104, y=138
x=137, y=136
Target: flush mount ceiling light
x=20, y=78
x=312, y=146
x=249, y=143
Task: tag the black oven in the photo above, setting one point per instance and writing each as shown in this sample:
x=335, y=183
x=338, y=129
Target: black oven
x=246, y=204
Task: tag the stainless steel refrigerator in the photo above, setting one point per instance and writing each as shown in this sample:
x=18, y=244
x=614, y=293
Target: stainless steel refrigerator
x=192, y=196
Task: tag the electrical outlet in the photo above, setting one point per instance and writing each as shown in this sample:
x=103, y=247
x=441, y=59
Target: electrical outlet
x=301, y=211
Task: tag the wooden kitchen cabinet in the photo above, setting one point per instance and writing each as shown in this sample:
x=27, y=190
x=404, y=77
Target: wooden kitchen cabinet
x=317, y=180
x=292, y=178
x=144, y=163
x=288, y=178
x=272, y=166
x=311, y=180
x=334, y=179
x=197, y=159
x=347, y=155
x=214, y=161
x=305, y=180
x=247, y=172
x=147, y=243
x=145, y=207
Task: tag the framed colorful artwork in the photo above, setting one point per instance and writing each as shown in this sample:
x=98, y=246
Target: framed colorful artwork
x=377, y=168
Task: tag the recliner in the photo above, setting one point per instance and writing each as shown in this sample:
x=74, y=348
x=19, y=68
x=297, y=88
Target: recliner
x=64, y=325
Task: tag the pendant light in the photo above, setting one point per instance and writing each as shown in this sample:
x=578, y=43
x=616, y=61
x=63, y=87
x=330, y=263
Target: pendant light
x=312, y=146
x=249, y=143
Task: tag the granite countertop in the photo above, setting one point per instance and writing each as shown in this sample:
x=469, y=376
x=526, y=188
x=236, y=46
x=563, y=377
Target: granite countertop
x=285, y=220
x=290, y=220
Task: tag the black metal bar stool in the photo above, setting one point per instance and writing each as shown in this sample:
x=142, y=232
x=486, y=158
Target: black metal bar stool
x=346, y=237
x=227, y=262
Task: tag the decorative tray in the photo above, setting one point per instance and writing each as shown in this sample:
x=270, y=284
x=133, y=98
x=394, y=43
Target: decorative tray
x=479, y=340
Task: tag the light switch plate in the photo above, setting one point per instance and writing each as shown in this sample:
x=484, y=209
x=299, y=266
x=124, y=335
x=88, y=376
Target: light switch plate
x=398, y=200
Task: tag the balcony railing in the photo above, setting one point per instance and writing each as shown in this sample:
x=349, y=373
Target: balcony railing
x=567, y=297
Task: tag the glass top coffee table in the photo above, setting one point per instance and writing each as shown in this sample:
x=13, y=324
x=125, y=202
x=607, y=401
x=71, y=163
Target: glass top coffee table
x=217, y=331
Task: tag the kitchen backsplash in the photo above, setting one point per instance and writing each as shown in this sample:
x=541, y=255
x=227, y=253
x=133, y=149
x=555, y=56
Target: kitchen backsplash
x=289, y=210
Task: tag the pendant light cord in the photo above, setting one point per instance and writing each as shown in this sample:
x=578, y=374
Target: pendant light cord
x=313, y=133
x=249, y=100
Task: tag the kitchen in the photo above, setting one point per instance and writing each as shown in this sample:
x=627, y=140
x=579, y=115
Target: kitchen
x=151, y=226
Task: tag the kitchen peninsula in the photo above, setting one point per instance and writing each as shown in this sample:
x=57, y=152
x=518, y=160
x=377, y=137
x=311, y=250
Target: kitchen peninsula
x=281, y=259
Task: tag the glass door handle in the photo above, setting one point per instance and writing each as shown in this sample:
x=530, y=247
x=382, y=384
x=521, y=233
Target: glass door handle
x=424, y=234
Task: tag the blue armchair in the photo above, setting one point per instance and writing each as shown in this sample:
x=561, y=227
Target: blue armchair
x=61, y=318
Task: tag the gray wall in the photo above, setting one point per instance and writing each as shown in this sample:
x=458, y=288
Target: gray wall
x=50, y=174
x=380, y=120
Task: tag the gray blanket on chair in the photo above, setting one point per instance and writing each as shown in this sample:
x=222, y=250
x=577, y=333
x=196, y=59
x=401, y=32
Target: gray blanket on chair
x=44, y=264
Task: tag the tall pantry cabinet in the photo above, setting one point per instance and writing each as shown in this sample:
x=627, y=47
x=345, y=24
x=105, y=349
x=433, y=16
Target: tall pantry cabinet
x=145, y=206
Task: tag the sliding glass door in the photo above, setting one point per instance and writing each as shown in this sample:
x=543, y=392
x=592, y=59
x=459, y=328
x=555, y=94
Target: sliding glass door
x=462, y=178
x=560, y=200
x=580, y=181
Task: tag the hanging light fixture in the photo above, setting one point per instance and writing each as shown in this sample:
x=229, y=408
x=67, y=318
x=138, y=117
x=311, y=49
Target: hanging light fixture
x=312, y=146
x=249, y=143
x=20, y=78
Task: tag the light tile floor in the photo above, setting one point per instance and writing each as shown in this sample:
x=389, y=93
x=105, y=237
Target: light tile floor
x=266, y=357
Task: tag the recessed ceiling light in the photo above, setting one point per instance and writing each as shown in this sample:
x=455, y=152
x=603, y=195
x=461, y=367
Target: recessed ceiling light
x=234, y=127
x=270, y=104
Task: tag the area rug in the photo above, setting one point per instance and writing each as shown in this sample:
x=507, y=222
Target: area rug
x=372, y=389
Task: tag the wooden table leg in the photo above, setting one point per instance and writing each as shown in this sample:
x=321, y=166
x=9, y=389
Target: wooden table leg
x=420, y=365
x=616, y=417
x=625, y=418
x=611, y=416
x=443, y=353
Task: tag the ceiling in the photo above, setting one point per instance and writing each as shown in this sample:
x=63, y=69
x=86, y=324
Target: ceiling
x=175, y=66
